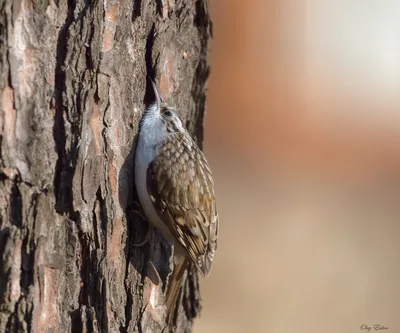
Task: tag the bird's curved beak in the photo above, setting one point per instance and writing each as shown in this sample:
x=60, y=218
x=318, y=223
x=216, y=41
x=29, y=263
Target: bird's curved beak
x=156, y=94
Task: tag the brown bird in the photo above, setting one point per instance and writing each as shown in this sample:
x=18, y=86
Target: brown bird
x=176, y=191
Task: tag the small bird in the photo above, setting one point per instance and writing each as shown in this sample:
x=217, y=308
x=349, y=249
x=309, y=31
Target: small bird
x=176, y=191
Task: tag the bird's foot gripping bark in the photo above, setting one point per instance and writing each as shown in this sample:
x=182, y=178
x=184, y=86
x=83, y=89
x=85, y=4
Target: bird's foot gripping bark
x=139, y=212
x=145, y=240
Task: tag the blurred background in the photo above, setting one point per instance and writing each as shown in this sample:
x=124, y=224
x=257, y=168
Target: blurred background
x=303, y=135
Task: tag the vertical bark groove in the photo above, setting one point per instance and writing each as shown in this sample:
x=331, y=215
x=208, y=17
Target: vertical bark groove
x=60, y=190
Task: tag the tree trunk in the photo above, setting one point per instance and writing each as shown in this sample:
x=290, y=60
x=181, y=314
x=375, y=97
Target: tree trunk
x=72, y=91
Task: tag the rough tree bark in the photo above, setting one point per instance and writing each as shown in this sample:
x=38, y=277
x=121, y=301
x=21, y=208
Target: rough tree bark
x=72, y=89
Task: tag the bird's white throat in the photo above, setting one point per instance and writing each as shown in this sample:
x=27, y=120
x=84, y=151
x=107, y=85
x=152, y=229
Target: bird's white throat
x=152, y=130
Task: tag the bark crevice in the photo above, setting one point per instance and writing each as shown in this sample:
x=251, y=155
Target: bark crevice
x=62, y=192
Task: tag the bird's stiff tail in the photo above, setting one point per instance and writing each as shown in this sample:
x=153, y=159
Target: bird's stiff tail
x=174, y=288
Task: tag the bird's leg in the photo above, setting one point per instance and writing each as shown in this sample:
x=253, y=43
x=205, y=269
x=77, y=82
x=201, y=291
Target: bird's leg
x=145, y=240
x=139, y=212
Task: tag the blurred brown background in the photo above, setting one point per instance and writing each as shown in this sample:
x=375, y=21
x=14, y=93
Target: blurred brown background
x=303, y=134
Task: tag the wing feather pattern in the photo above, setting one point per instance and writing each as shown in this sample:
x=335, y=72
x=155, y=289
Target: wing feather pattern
x=181, y=185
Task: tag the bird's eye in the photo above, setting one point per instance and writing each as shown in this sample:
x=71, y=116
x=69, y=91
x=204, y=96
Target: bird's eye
x=168, y=114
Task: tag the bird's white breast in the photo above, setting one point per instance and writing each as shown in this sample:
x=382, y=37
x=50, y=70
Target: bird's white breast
x=151, y=134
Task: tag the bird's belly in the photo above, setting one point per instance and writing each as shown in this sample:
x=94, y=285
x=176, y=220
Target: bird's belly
x=147, y=204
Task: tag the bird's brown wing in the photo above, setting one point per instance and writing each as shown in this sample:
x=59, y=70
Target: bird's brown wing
x=181, y=186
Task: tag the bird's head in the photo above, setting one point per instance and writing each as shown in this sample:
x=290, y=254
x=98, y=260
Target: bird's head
x=160, y=118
